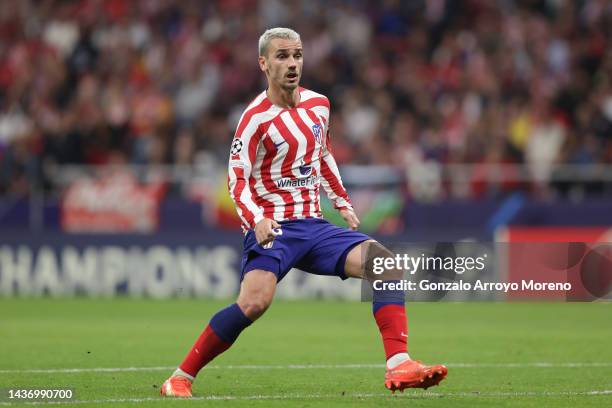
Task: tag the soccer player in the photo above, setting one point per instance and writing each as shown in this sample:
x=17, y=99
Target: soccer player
x=279, y=158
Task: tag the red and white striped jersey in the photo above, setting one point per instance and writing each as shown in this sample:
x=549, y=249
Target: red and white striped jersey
x=280, y=157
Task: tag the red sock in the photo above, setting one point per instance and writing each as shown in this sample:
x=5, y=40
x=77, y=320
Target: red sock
x=206, y=347
x=393, y=326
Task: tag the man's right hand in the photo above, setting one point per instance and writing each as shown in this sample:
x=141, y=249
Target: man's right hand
x=263, y=231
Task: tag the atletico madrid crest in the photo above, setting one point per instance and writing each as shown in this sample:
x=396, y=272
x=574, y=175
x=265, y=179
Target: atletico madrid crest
x=317, y=131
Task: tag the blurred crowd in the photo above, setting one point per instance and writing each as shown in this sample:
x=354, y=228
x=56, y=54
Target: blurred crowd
x=164, y=81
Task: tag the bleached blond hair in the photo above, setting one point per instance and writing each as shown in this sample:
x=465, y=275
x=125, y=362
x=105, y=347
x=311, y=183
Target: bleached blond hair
x=277, y=32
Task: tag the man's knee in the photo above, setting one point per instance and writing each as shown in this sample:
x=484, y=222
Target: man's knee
x=256, y=293
x=253, y=308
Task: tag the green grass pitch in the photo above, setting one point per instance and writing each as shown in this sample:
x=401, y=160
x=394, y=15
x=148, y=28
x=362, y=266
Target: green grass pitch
x=309, y=354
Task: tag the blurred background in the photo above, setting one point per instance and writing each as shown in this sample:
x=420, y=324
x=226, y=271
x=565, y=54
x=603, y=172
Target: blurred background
x=450, y=120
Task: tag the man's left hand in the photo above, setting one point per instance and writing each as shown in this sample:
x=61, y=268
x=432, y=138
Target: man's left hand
x=349, y=216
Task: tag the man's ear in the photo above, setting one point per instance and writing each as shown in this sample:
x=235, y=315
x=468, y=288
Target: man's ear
x=262, y=63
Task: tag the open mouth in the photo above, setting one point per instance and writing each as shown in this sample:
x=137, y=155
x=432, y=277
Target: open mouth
x=292, y=75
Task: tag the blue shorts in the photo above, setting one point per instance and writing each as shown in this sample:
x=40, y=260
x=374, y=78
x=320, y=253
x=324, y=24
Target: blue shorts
x=312, y=245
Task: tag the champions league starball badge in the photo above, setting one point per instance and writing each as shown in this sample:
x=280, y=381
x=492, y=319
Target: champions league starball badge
x=236, y=146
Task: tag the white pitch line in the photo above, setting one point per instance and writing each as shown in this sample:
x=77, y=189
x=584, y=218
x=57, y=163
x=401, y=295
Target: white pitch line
x=416, y=395
x=534, y=364
x=300, y=367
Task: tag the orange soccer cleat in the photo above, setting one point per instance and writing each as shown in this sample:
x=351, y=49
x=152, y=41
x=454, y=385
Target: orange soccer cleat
x=414, y=374
x=176, y=386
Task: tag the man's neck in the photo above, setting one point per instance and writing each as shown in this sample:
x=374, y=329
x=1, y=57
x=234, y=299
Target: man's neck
x=284, y=98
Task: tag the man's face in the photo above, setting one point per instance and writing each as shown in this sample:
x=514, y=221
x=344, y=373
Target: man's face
x=283, y=62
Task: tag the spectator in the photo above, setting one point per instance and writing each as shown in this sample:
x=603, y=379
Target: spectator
x=437, y=81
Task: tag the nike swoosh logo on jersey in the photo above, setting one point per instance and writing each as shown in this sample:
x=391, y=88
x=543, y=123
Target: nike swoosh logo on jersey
x=278, y=144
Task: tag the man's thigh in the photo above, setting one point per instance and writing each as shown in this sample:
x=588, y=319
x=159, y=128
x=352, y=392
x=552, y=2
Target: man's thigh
x=354, y=266
x=256, y=293
x=332, y=246
x=359, y=261
x=286, y=249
